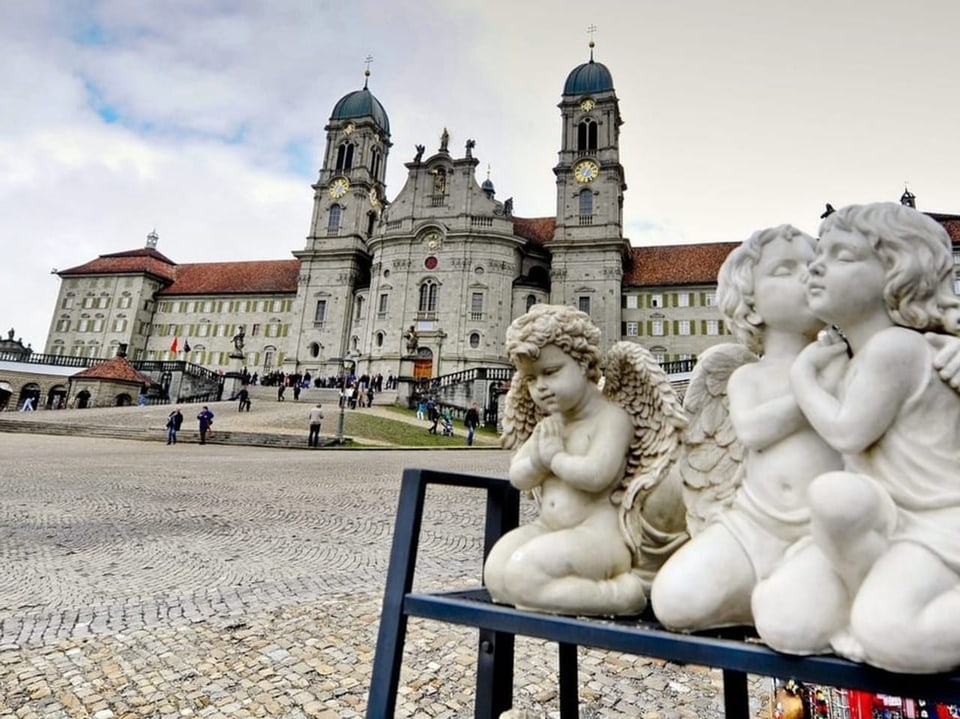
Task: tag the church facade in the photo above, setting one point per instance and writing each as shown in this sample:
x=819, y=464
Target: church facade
x=425, y=282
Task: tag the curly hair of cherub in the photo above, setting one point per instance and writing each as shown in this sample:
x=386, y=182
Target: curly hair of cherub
x=736, y=283
x=916, y=253
x=569, y=329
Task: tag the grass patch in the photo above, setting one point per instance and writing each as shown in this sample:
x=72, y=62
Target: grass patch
x=486, y=432
x=361, y=426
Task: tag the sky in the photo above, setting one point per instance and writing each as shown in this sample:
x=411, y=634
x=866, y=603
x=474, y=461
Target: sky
x=203, y=119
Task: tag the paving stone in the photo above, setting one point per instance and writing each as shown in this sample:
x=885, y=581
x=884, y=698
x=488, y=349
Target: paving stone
x=247, y=582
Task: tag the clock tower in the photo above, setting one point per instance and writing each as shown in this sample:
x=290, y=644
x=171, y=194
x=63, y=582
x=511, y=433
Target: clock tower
x=348, y=198
x=588, y=247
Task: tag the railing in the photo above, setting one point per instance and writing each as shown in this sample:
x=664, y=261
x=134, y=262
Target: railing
x=678, y=366
x=54, y=360
x=437, y=200
x=426, y=316
x=476, y=315
x=479, y=221
x=586, y=220
x=333, y=232
x=395, y=225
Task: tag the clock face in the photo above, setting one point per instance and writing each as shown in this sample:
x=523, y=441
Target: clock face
x=587, y=105
x=339, y=187
x=349, y=128
x=586, y=171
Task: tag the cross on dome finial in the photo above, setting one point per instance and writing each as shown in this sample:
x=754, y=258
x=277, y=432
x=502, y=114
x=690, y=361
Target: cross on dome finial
x=366, y=71
x=590, y=30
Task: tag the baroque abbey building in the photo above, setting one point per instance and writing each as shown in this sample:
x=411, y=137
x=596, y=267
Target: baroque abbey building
x=444, y=257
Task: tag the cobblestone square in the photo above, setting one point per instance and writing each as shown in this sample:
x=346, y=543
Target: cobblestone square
x=138, y=580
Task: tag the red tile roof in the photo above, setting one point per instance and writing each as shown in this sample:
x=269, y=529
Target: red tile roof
x=143, y=261
x=118, y=368
x=537, y=230
x=224, y=278
x=677, y=264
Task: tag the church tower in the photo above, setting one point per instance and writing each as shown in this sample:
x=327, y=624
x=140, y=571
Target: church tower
x=588, y=247
x=347, y=200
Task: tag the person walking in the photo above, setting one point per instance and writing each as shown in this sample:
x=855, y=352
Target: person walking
x=174, y=421
x=244, y=398
x=471, y=421
x=206, y=419
x=316, y=419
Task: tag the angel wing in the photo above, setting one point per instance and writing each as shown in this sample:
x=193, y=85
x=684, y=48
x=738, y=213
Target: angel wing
x=652, y=514
x=710, y=463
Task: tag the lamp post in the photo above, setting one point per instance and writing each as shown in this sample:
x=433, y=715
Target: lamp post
x=346, y=363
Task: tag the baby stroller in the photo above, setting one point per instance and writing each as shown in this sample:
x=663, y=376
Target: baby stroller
x=446, y=426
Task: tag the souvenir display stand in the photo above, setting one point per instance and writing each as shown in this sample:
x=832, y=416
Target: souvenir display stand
x=736, y=652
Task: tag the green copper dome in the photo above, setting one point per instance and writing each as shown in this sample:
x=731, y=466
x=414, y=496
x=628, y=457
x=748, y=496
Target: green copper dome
x=361, y=103
x=588, y=78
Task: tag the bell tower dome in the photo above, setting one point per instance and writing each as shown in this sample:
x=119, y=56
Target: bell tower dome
x=588, y=247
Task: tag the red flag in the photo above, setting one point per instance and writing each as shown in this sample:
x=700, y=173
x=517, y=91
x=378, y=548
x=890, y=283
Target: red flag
x=173, y=345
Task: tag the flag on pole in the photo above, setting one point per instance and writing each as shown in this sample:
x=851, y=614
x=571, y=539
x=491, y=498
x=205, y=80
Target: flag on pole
x=173, y=345
x=186, y=345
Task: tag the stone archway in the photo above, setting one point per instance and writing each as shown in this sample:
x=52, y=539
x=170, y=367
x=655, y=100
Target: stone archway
x=6, y=391
x=30, y=391
x=57, y=397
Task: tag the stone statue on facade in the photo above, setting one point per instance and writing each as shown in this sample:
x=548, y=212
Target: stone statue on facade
x=412, y=339
x=597, y=461
x=420, y=150
x=444, y=140
x=470, y=145
x=238, y=339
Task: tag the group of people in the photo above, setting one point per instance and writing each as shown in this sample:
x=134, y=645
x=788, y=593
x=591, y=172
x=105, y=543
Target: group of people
x=441, y=419
x=175, y=422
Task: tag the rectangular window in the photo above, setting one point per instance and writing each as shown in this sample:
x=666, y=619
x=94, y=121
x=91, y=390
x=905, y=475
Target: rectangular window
x=683, y=299
x=254, y=330
x=656, y=328
x=632, y=302
x=67, y=303
x=583, y=304
x=119, y=325
x=63, y=325
x=321, y=311
x=713, y=327
x=684, y=327
x=98, y=325
x=633, y=329
x=382, y=306
x=660, y=357
x=124, y=302
x=710, y=299
x=656, y=300
x=476, y=306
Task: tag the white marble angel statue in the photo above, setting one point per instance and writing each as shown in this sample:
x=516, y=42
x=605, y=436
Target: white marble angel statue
x=879, y=581
x=597, y=459
x=749, y=454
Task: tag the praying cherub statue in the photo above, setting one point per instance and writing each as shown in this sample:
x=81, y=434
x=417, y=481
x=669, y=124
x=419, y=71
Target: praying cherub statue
x=597, y=460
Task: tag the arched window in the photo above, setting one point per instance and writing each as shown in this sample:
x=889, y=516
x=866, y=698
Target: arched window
x=474, y=340
x=371, y=222
x=531, y=301
x=379, y=339
x=314, y=349
x=345, y=156
x=587, y=135
x=586, y=202
x=428, y=296
x=334, y=222
x=375, y=162
x=358, y=313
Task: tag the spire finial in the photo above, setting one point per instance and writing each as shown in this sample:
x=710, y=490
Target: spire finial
x=152, y=238
x=488, y=170
x=590, y=30
x=366, y=71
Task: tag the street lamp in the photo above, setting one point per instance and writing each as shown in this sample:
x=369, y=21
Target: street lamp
x=346, y=365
